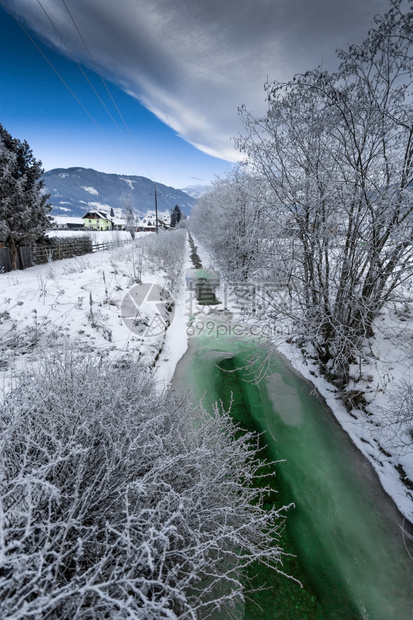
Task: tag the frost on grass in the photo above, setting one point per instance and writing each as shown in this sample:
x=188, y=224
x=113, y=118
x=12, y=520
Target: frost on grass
x=117, y=503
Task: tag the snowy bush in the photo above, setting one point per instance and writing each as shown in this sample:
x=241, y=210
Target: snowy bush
x=153, y=253
x=165, y=251
x=116, y=503
x=130, y=256
x=396, y=430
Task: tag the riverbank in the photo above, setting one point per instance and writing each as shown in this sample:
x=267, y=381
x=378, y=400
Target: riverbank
x=175, y=344
x=103, y=305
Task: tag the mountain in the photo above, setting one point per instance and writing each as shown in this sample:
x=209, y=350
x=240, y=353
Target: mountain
x=76, y=190
x=196, y=191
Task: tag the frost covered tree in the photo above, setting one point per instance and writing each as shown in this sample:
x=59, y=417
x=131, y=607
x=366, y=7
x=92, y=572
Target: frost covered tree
x=176, y=216
x=117, y=503
x=130, y=221
x=233, y=222
x=24, y=205
x=165, y=252
x=337, y=151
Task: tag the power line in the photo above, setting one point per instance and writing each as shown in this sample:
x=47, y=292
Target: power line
x=86, y=76
x=78, y=64
x=57, y=73
x=96, y=68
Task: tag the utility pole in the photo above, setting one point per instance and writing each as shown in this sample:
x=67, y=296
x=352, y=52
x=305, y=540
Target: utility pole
x=156, y=211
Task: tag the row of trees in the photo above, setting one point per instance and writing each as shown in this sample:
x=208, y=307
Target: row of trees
x=333, y=159
x=232, y=220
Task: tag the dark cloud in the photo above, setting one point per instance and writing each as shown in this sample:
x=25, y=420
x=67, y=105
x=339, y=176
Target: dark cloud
x=194, y=62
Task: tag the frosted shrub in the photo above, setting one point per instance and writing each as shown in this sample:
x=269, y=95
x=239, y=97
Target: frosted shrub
x=396, y=430
x=130, y=255
x=165, y=251
x=116, y=503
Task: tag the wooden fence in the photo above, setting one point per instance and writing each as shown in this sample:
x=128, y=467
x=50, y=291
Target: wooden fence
x=5, y=260
x=56, y=249
x=23, y=259
x=106, y=245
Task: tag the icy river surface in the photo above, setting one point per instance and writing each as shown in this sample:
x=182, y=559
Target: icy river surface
x=344, y=530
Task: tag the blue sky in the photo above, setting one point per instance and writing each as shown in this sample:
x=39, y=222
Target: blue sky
x=176, y=71
x=36, y=106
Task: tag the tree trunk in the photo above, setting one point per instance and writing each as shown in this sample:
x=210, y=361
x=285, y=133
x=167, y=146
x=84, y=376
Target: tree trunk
x=13, y=252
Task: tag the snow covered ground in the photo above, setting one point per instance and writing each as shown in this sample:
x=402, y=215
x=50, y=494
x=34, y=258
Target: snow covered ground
x=97, y=236
x=77, y=302
x=386, y=363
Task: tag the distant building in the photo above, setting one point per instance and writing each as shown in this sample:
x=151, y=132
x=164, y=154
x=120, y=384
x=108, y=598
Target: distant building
x=148, y=224
x=166, y=218
x=98, y=220
x=63, y=222
x=118, y=223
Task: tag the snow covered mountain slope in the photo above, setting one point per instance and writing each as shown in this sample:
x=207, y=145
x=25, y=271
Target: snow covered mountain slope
x=196, y=191
x=75, y=190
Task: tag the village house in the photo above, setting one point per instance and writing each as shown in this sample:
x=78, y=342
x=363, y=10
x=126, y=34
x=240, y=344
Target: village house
x=97, y=220
x=118, y=223
x=64, y=222
x=148, y=223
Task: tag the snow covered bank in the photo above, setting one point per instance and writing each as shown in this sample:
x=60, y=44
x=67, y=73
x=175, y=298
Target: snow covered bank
x=176, y=339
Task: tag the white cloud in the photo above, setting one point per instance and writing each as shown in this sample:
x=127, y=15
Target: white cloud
x=194, y=62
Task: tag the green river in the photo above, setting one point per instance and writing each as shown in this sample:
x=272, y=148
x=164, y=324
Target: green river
x=345, y=532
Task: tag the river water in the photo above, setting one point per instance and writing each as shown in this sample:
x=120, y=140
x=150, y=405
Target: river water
x=345, y=532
